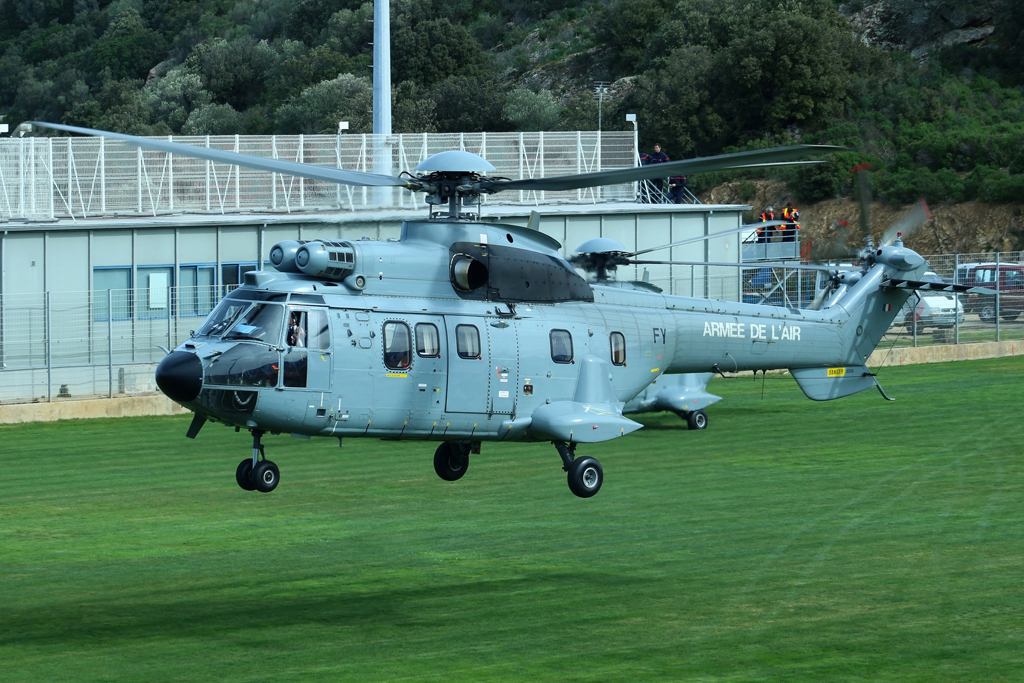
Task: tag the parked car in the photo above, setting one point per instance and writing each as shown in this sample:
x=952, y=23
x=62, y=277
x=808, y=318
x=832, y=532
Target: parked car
x=934, y=309
x=1010, y=287
x=964, y=275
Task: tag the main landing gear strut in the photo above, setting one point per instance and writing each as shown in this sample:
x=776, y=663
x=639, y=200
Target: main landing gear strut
x=257, y=473
x=584, y=475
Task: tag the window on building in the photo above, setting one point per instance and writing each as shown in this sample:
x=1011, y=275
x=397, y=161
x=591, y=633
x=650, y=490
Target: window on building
x=231, y=274
x=153, y=295
x=428, y=342
x=561, y=346
x=397, y=346
x=618, y=342
x=467, y=341
x=119, y=282
x=196, y=293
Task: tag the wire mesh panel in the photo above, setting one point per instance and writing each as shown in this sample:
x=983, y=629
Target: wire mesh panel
x=88, y=177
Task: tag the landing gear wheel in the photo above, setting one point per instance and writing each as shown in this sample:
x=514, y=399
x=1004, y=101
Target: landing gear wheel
x=585, y=477
x=697, y=419
x=242, y=475
x=451, y=461
x=266, y=476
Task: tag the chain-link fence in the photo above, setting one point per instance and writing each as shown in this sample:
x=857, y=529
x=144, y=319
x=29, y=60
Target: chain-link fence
x=108, y=342
x=929, y=317
x=87, y=344
x=76, y=177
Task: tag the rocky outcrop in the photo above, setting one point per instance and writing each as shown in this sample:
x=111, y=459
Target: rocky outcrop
x=954, y=228
x=916, y=27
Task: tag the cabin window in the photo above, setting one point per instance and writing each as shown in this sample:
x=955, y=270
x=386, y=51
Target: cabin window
x=428, y=342
x=561, y=346
x=308, y=329
x=467, y=340
x=397, y=346
x=618, y=342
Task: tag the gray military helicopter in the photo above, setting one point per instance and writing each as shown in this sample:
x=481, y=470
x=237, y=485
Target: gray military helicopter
x=463, y=332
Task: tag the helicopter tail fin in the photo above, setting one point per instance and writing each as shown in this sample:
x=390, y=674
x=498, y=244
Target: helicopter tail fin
x=870, y=306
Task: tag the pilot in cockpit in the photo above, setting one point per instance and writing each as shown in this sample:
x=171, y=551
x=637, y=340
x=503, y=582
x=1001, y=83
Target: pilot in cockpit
x=296, y=330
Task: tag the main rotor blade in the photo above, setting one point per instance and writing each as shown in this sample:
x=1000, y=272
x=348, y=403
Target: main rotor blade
x=628, y=175
x=330, y=175
x=906, y=225
x=725, y=233
x=750, y=266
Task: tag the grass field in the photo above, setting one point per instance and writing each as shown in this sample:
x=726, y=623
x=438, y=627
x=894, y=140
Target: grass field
x=797, y=541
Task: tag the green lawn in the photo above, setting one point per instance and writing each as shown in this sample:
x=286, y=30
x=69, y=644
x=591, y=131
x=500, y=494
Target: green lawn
x=794, y=541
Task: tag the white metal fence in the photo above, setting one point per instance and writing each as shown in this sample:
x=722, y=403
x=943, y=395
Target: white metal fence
x=45, y=178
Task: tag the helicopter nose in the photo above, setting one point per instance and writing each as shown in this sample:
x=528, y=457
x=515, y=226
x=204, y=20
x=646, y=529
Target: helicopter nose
x=180, y=376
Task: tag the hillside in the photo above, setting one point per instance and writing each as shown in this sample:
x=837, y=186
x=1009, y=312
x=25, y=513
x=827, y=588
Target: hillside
x=965, y=227
x=931, y=94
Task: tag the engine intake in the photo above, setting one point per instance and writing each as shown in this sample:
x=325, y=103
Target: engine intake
x=325, y=258
x=467, y=273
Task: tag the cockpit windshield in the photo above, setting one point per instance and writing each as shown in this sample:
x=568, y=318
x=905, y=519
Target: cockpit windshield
x=223, y=317
x=262, y=322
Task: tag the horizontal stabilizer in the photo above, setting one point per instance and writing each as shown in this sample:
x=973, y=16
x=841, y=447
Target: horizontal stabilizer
x=825, y=384
x=917, y=285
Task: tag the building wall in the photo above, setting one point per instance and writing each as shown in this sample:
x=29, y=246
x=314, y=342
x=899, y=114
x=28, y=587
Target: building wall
x=64, y=257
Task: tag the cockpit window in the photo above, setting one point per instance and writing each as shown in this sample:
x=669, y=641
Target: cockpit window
x=262, y=323
x=223, y=317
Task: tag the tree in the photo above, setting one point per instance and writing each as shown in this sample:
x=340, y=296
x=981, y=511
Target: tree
x=308, y=18
x=176, y=95
x=431, y=51
x=319, y=108
x=128, y=49
x=468, y=105
x=120, y=106
x=626, y=26
x=234, y=71
x=213, y=119
x=412, y=109
x=530, y=111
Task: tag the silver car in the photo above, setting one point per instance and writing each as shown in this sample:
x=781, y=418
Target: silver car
x=932, y=309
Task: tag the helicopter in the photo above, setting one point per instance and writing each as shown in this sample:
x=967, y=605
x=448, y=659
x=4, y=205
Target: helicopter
x=463, y=331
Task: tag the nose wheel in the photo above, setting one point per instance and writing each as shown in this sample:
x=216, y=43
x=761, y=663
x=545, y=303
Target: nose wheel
x=257, y=473
x=584, y=475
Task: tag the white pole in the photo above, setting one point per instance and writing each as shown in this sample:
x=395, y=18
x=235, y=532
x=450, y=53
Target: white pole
x=382, y=96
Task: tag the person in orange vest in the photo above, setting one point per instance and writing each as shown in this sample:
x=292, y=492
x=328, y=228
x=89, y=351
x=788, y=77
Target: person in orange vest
x=767, y=215
x=791, y=216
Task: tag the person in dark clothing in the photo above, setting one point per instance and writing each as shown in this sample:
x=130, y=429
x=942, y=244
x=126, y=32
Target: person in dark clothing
x=658, y=157
x=677, y=188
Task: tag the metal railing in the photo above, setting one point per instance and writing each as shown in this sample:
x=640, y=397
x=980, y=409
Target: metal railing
x=47, y=178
